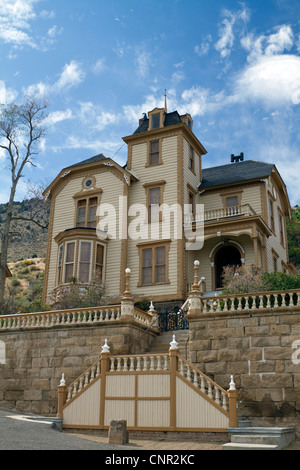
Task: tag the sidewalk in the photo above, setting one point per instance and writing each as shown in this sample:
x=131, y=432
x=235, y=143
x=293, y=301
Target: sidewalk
x=157, y=444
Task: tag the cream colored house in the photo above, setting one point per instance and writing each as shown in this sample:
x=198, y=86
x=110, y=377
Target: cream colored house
x=101, y=220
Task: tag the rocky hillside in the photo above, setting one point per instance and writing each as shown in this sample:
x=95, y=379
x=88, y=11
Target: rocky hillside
x=28, y=239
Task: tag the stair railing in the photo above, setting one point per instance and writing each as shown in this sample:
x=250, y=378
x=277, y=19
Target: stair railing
x=146, y=332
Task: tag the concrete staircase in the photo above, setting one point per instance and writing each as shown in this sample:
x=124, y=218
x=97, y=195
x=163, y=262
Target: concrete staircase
x=161, y=344
x=264, y=438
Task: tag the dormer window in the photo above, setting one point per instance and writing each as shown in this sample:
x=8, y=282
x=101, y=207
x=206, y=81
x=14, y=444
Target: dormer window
x=156, y=118
x=155, y=121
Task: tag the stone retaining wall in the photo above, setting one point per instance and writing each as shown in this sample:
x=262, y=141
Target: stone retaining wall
x=37, y=357
x=260, y=349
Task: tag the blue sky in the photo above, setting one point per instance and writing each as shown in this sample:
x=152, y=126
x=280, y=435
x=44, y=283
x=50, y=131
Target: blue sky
x=235, y=66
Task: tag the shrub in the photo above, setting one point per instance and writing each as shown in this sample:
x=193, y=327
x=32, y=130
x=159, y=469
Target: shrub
x=241, y=280
x=282, y=281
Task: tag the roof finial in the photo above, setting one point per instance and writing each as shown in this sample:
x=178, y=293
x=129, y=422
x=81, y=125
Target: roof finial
x=165, y=100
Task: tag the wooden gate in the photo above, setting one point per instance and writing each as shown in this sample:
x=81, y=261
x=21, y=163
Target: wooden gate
x=151, y=392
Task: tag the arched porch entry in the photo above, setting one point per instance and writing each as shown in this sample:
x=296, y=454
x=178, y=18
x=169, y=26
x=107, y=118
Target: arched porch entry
x=227, y=255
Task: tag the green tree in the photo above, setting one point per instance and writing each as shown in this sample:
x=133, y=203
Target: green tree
x=293, y=236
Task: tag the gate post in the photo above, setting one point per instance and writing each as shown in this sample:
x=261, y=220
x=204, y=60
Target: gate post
x=173, y=354
x=233, y=413
x=61, y=397
x=104, y=368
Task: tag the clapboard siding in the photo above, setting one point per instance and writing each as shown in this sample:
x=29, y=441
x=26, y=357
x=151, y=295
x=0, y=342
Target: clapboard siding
x=64, y=218
x=167, y=171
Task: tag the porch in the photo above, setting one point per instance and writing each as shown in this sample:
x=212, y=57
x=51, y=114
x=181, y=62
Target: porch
x=232, y=236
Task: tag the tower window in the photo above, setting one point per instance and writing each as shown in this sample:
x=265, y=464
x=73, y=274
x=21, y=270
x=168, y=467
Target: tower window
x=154, y=152
x=155, y=121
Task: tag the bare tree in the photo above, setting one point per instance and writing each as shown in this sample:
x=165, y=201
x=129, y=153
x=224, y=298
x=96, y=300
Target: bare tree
x=21, y=129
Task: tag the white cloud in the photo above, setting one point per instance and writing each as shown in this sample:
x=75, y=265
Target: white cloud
x=15, y=18
x=276, y=43
x=272, y=80
x=226, y=30
x=58, y=116
x=143, y=61
x=71, y=76
x=7, y=95
x=54, y=31
x=99, y=66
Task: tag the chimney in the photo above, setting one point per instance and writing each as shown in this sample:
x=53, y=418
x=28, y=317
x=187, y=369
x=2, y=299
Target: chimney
x=142, y=119
x=237, y=158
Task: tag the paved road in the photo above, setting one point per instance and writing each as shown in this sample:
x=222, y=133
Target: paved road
x=31, y=434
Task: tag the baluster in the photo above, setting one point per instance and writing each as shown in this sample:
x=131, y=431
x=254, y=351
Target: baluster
x=138, y=364
x=86, y=378
x=69, y=393
x=217, y=396
x=125, y=365
x=98, y=368
x=152, y=363
x=93, y=372
x=74, y=392
x=166, y=363
x=188, y=374
x=112, y=364
x=196, y=379
x=275, y=300
x=210, y=395
x=80, y=384
x=118, y=364
x=202, y=384
x=145, y=365
x=131, y=364
x=158, y=364
x=181, y=369
x=224, y=401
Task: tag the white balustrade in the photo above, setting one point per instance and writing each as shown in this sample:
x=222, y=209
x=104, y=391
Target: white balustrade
x=253, y=301
x=203, y=383
x=84, y=380
x=139, y=363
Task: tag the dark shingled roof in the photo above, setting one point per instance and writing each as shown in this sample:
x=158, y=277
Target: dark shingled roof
x=170, y=120
x=96, y=158
x=235, y=173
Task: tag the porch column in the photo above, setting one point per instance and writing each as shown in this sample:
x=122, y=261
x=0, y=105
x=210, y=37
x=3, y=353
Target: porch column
x=255, y=248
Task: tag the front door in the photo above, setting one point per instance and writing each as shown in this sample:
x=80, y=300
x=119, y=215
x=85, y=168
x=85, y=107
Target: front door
x=226, y=256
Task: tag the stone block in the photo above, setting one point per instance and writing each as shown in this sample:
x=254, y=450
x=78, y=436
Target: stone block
x=118, y=433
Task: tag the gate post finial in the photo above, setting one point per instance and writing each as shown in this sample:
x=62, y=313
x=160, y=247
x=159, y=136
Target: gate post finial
x=174, y=344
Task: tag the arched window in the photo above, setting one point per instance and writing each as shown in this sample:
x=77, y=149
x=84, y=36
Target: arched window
x=225, y=256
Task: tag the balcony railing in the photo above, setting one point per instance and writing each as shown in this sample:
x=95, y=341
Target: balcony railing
x=218, y=214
